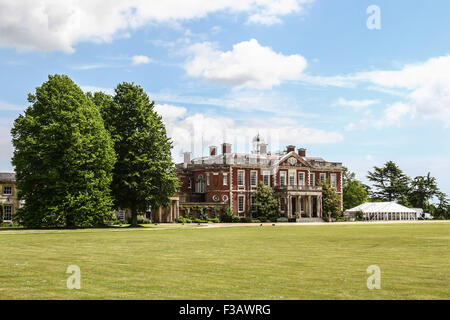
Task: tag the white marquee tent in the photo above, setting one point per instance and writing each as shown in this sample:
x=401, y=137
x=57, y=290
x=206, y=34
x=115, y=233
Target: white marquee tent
x=384, y=211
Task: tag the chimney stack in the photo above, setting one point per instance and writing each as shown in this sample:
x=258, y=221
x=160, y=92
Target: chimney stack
x=290, y=148
x=212, y=150
x=187, y=159
x=226, y=148
x=302, y=152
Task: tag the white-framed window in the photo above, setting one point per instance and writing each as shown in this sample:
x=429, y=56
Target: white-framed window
x=333, y=180
x=312, y=179
x=266, y=178
x=241, y=204
x=241, y=178
x=7, y=190
x=254, y=178
x=292, y=178
x=207, y=179
x=282, y=178
x=190, y=183
x=7, y=214
x=301, y=178
x=200, y=184
x=253, y=203
x=122, y=215
x=322, y=177
x=225, y=179
x=282, y=204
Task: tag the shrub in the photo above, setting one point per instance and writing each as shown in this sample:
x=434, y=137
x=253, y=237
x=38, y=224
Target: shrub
x=214, y=220
x=245, y=220
x=140, y=220
x=256, y=221
x=267, y=203
x=229, y=216
x=200, y=221
x=112, y=220
x=202, y=215
x=143, y=220
x=184, y=220
x=215, y=212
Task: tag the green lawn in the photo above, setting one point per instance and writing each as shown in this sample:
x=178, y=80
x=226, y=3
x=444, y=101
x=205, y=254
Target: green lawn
x=289, y=262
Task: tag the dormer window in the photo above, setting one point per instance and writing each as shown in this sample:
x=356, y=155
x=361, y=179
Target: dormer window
x=7, y=190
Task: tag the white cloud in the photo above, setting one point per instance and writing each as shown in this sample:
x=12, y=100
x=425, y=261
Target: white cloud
x=423, y=87
x=356, y=104
x=198, y=131
x=248, y=65
x=97, y=89
x=390, y=117
x=48, y=25
x=170, y=113
x=396, y=111
x=427, y=84
x=91, y=66
x=136, y=60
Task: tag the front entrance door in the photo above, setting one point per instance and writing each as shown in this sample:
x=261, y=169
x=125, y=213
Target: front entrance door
x=294, y=205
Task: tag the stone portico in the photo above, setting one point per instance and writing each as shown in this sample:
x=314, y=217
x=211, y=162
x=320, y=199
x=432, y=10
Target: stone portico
x=301, y=202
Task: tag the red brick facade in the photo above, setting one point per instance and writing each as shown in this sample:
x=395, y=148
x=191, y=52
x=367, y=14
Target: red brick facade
x=231, y=179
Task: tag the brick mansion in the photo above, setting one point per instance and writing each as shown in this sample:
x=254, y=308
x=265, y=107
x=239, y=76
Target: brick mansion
x=225, y=178
x=230, y=179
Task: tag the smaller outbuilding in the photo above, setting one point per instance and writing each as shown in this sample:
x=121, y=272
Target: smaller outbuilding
x=378, y=211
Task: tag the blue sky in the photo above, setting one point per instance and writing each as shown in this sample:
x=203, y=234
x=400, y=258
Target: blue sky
x=303, y=72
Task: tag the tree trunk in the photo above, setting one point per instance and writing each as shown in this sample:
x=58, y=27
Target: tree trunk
x=134, y=217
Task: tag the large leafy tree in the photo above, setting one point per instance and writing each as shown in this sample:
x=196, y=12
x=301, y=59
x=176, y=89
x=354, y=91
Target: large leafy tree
x=442, y=210
x=389, y=182
x=330, y=202
x=423, y=189
x=267, y=202
x=354, y=192
x=63, y=158
x=144, y=175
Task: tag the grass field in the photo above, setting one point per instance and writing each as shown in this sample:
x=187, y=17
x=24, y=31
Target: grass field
x=289, y=262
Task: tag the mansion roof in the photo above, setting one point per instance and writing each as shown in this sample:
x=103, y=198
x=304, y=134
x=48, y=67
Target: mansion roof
x=258, y=157
x=268, y=160
x=7, y=177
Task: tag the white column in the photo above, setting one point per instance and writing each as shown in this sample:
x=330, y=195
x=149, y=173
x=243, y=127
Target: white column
x=310, y=206
x=320, y=213
x=289, y=204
